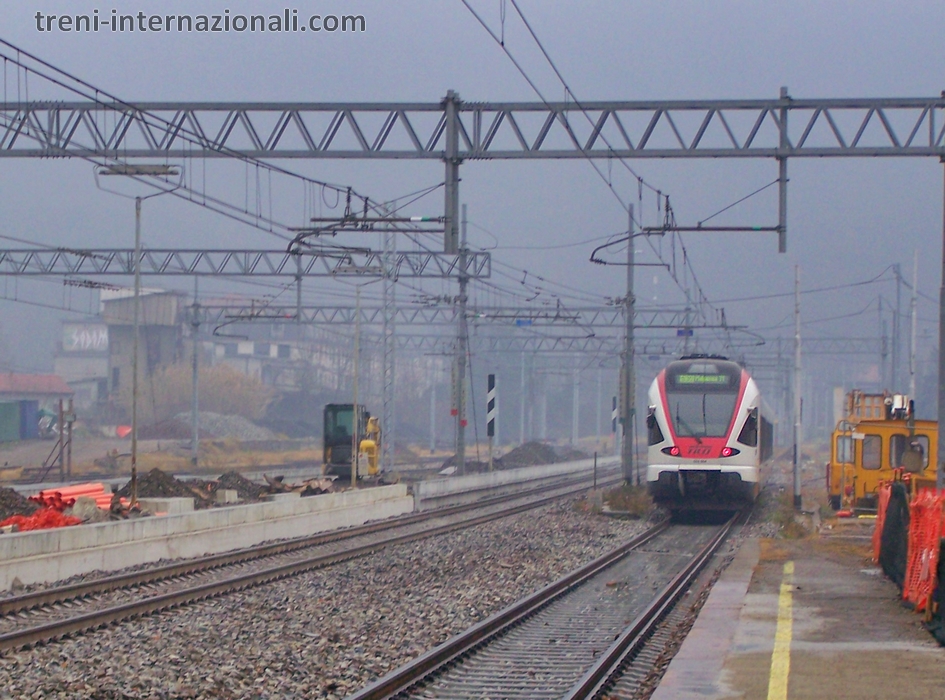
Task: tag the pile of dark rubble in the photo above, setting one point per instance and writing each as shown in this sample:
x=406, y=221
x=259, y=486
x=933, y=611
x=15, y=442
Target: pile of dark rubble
x=158, y=484
x=530, y=454
x=15, y=503
x=246, y=489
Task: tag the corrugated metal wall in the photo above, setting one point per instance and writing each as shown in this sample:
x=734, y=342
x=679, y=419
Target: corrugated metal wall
x=9, y=422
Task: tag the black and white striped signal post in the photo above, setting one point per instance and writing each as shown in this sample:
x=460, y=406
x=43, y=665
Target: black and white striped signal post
x=490, y=415
x=614, y=414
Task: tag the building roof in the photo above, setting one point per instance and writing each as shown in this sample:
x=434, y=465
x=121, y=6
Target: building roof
x=34, y=384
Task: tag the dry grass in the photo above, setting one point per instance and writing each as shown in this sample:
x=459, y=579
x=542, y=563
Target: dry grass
x=784, y=516
x=634, y=500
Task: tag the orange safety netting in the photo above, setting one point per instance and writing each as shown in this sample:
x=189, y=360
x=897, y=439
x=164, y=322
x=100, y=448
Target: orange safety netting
x=42, y=519
x=925, y=530
x=884, y=492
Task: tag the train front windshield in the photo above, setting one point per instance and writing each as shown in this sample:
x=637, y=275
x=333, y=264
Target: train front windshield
x=701, y=397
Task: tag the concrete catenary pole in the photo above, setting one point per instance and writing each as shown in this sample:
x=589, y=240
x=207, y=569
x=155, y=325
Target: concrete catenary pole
x=433, y=413
x=355, y=413
x=599, y=399
x=134, y=356
x=195, y=386
x=451, y=183
x=626, y=389
x=783, y=146
x=460, y=390
x=521, y=404
x=940, y=480
x=575, y=405
x=797, y=387
x=896, y=343
x=914, y=304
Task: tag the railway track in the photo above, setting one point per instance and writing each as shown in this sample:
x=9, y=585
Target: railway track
x=573, y=638
x=46, y=615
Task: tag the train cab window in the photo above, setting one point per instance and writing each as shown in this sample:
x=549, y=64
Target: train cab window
x=898, y=444
x=749, y=434
x=701, y=397
x=844, y=449
x=653, y=433
x=872, y=451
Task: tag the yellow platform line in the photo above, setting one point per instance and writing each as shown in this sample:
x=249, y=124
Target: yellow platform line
x=781, y=658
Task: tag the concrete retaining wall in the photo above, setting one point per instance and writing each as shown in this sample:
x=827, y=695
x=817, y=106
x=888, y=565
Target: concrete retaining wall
x=465, y=489
x=52, y=555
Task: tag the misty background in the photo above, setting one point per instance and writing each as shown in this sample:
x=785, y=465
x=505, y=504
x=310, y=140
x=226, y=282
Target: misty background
x=848, y=220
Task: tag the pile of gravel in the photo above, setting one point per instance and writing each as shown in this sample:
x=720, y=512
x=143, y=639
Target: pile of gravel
x=530, y=454
x=328, y=632
x=14, y=503
x=218, y=425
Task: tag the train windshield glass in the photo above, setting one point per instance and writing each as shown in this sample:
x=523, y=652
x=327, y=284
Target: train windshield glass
x=701, y=397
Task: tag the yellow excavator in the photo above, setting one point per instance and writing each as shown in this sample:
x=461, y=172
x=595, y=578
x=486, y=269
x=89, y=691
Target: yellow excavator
x=338, y=442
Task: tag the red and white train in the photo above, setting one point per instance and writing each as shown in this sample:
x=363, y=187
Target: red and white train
x=708, y=435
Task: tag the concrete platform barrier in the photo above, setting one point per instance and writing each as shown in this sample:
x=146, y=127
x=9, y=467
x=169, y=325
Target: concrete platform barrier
x=451, y=490
x=53, y=555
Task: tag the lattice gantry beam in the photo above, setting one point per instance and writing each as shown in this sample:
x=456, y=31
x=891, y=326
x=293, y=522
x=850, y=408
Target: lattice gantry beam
x=486, y=130
x=479, y=343
x=579, y=317
x=241, y=263
x=824, y=346
x=610, y=345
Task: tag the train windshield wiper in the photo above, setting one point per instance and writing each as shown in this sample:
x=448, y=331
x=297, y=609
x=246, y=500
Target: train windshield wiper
x=683, y=423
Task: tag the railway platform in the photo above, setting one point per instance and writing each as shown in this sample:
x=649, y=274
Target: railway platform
x=808, y=619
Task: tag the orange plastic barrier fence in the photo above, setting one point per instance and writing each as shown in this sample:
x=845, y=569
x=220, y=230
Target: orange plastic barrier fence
x=925, y=531
x=42, y=519
x=884, y=492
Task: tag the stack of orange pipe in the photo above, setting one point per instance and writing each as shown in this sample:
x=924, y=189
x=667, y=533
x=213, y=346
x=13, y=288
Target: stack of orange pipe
x=65, y=496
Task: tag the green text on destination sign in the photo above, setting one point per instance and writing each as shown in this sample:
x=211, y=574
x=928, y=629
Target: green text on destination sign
x=702, y=379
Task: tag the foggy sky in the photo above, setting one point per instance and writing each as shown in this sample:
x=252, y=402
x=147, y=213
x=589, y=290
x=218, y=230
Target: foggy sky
x=848, y=220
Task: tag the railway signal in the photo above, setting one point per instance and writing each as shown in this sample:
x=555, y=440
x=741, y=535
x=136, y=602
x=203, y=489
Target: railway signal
x=491, y=412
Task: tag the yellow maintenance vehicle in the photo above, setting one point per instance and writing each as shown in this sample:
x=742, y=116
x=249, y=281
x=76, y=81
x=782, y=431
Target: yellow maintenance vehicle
x=878, y=439
x=339, y=442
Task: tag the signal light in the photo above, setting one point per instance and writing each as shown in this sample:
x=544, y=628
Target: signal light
x=729, y=451
x=671, y=451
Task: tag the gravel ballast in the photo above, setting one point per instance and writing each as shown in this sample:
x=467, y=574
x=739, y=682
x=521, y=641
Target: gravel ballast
x=326, y=633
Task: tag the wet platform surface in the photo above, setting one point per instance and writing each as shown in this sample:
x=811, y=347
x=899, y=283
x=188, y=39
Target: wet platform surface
x=810, y=619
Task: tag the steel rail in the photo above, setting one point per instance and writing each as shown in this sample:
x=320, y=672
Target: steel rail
x=408, y=675
x=149, y=605
x=599, y=676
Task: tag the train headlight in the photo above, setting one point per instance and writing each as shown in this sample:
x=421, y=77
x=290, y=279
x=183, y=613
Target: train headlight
x=729, y=451
x=671, y=451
